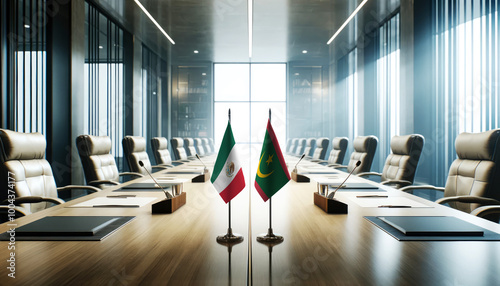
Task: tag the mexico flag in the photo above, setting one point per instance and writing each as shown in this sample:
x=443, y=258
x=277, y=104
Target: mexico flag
x=272, y=173
x=227, y=176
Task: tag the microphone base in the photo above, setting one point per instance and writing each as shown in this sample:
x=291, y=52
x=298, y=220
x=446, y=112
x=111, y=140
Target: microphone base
x=300, y=178
x=168, y=206
x=330, y=206
x=201, y=178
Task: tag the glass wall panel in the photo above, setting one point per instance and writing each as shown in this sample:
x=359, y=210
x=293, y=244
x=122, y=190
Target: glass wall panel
x=103, y=79
x=26, y=60
x=466, y=42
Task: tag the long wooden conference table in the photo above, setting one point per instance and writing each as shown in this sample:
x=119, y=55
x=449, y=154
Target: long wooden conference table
x=318, y=248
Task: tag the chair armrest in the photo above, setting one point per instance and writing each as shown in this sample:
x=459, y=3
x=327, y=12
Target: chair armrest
x=485, y=211
x=97, y=183
x=365, y=174
x=163, y=167
x=6, y=213
x=131, y=174
x=469, y=199
x=91, y=189
x=410, y=189
x=34, y=199
x=166, y=165
x=338, y=166
x=401, y=183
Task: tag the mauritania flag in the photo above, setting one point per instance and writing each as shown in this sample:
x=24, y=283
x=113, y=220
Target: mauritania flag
x=227, y=176
x=272, y=173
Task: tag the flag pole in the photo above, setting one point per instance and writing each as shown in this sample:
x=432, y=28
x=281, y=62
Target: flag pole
x=229, y=238
x=270, y=238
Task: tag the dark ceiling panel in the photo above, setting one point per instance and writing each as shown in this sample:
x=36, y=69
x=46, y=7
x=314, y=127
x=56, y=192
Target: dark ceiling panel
x=218, y=28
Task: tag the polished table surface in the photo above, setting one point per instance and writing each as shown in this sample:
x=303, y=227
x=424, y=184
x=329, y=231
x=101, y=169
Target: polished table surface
x=318, y=248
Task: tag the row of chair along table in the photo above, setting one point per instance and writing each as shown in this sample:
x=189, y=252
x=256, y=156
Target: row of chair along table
x=473, y=183
x=26, y=173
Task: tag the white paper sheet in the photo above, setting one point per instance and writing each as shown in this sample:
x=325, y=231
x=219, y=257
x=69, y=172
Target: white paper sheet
x=376, y=202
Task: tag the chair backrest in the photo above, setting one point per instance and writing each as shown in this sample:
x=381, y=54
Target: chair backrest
x=476, y=171
x=160, y=150
x=22, y=154
x=97, y=162
x=364, y=151
x=178, y=148
x=288, y=145
x=211, y=144
x=301, y=145
x=134, y=150
x=294, y=145
x=339, y=148
x=310, y=146
x=206, y=145
x=189, y=146
x=402, y=163
x=321, y=148
x=198, y=144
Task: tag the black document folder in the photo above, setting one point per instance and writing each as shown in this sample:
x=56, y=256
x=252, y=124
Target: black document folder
x=432, y=226
x=69, y=228
x=65, y=226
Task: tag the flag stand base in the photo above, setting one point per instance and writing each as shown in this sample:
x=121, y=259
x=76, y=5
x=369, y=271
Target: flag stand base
x=229, y=238
x=270, y=238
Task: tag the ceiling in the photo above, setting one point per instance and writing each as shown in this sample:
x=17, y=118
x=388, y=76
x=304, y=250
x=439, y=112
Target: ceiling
x=218, y=29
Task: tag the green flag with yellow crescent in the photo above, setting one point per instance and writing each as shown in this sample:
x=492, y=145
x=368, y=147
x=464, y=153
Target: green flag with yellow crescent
x=272, y=173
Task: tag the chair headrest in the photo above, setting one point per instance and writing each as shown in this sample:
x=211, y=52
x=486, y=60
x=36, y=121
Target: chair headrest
x=402, y=145
x=478, y=146
x=339, y=143
x=364, y=143
x=198, y=141
x=309, y=141
x=189, y=141
x=322, y=143
x=205, y=141
x=89, y=145
x=178, y=142
x=22, y=146
x=161, y=143
x=135, y=143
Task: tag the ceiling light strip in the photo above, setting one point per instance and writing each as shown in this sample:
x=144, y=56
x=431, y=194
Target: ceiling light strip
x=250, y=27
x=347, y=21
x=154, y=21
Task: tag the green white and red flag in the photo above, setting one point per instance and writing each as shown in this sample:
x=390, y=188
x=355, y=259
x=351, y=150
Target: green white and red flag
x=227, y=176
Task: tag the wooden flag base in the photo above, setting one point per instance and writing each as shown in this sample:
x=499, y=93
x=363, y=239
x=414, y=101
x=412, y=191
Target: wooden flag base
x=299, y=178
x=201, y=178
x=168, y=206
x=331, y=206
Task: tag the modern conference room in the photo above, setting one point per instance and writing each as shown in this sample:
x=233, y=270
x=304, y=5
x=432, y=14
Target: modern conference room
x=258, y=142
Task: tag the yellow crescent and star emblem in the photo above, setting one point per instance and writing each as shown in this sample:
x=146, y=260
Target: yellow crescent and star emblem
x=268, y=161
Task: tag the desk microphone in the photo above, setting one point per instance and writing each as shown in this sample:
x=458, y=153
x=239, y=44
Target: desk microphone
x=301, y=157
x=331, y=195
x=197, y=156
x=167, y=194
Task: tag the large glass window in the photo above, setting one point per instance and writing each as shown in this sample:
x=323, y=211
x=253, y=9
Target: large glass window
x=467, y=70
x=27, y=66
x=250, y=90
x=388, y=89
x=103, y=78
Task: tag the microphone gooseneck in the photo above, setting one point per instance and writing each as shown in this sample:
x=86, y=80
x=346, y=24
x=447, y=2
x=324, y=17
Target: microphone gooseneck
x=332, y=194
x=301, y=157
x=167, y=194
x=197, y=156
